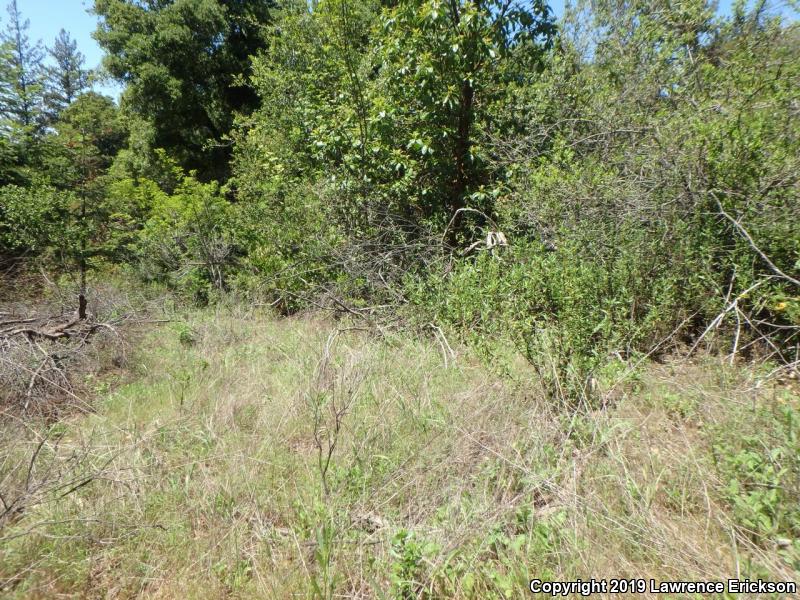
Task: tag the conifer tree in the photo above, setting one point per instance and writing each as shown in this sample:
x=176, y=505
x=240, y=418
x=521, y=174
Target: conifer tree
x=66, y=78
x=21, y=84
x=185, y=66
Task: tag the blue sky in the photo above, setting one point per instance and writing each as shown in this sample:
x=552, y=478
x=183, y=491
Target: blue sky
x=47, y=17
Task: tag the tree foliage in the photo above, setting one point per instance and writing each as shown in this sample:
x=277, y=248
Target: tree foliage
x=183, y=64
x=66, y=78
x=21, y=79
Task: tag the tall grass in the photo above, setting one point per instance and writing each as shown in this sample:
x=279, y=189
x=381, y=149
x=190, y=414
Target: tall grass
x=252, y=457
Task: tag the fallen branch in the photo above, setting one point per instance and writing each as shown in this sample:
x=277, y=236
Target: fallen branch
x=733, y=305
x=35, y=358
x=753, y=245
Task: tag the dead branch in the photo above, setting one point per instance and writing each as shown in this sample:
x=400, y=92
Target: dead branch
x=753, y=245
x=721, y=316
x=39, y=352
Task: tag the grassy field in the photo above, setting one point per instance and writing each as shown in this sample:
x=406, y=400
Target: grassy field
x=238, y=455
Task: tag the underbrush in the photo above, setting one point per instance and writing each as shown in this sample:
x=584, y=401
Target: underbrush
x=255, y=457
x=50, y=359
x=570, y=309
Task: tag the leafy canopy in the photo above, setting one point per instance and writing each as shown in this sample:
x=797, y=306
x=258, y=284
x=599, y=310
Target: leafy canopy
x=183, y=64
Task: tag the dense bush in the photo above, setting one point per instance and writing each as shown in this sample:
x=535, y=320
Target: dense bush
x=643, y=168
x=186, y=241
x=652, y=187
x=32, y=220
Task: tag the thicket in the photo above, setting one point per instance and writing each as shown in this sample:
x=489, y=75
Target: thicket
x=617, y=183
x=630, y=181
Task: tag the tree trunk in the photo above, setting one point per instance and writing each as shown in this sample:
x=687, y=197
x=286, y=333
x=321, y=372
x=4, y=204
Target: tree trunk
x=462, y=145
x=82, y=262
x=461, y=159
x=82, y=291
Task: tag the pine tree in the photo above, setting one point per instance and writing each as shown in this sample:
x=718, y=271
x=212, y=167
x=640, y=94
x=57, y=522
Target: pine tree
x=21, y=84
x=66, y=78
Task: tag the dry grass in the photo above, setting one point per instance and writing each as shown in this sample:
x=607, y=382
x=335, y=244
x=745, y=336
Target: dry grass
x=255, y=457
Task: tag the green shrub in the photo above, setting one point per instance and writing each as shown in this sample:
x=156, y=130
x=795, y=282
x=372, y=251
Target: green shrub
x=567, y=310
x=34, y=220
x=759, y=471
x=187, y=242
